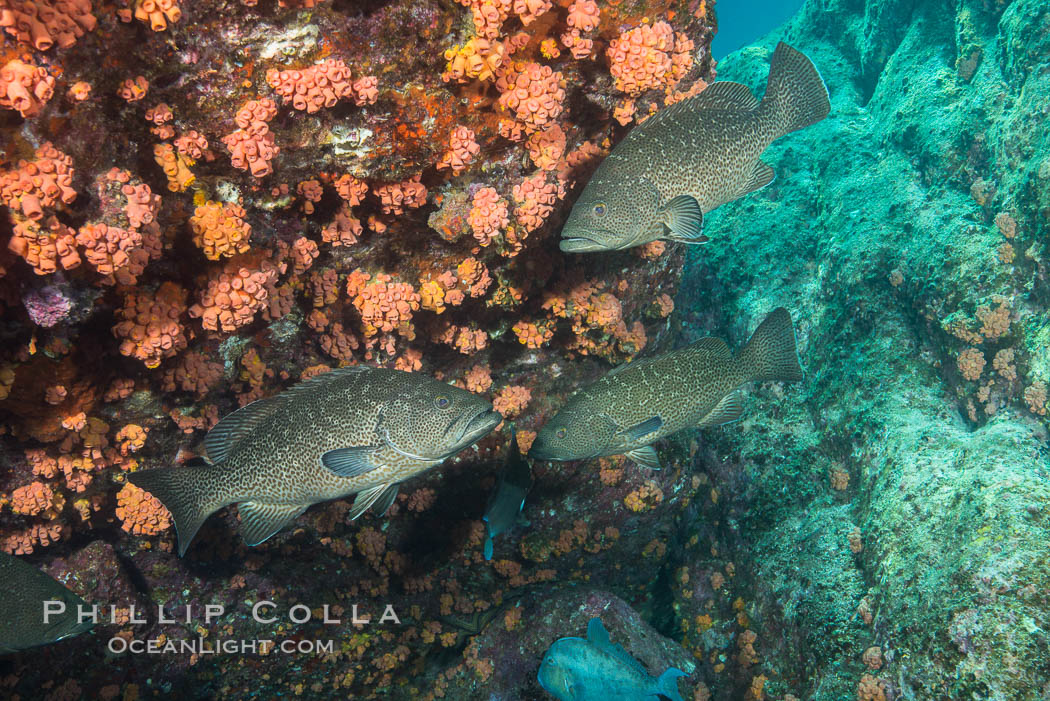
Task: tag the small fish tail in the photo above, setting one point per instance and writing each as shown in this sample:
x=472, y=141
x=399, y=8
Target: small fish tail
x=188, y=492
x=771, y=354
x=795, y=93
x=667, y=684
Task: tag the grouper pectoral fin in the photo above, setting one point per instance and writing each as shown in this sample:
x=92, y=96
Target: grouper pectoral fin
x=645, y=456
x=641, y=429
x=684, y=220
x=386, y=499
x=729, y=409
x=367, y=497
x=761, y=176
x=351, y=462
x=260, y=521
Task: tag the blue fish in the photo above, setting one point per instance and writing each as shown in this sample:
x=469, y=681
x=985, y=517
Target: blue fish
x=504, y=508
x=596, y=669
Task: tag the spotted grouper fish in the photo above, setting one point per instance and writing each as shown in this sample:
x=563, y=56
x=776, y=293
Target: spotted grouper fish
x=691, y=157
x=645, y=400
x=357, y=430
x=596, y=669
x=34, y=609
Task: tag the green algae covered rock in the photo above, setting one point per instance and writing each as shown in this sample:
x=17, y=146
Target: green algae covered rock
x=900, y=496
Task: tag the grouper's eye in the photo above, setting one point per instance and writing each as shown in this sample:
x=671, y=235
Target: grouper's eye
x=560, y=433
x=599, y=209
x=442, y=402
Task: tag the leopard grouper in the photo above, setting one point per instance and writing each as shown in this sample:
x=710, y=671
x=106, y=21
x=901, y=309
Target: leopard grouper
x=357, y=430
x=638, y=403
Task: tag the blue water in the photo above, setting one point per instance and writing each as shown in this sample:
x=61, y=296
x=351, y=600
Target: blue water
x=741, y=22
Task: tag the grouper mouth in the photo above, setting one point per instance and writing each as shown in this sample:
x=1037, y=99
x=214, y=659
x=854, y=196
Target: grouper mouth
x=580, y=244
x=479, y=426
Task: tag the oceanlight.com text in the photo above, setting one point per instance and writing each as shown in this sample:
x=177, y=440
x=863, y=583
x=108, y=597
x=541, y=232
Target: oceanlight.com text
x=199, y=646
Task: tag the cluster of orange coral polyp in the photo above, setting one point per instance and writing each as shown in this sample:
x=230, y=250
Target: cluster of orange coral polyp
x=532, y=335
x=192, y=144
x=234, y=296
x=462, y=149
x=351, y=189
x=24, y=87
x=385, y=305
x=43, y=23
x=547, y=147
x=175, y=165
x=395, y=198
x=511, y=401
x=134, y=89
x=38, y=184
x=140, y=512
x=488, y=215
x=321, y=85
x=108, y=248
x=219, y=229
x=149, y=324
x=45, y=248
x=648, y=57
x=157, y=13
x=36, y=498
x=532, y=93
x=478, y=58
x=536, y=198
x=251, y=147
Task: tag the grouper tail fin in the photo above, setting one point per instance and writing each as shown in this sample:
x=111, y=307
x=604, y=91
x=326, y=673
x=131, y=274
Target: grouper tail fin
x=795, y=93
x=191, y=493
x=771, y=353
x=667, y=685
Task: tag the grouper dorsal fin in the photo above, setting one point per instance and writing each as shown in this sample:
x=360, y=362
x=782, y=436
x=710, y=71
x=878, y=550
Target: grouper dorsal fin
x=259, y=521
x=725, y=95
x=325, y=378
x=232, y=428
x=722, y=95
x=715, y=347
x=599, y=637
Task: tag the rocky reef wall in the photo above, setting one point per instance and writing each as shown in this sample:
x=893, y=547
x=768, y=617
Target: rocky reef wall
x=888, y=519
